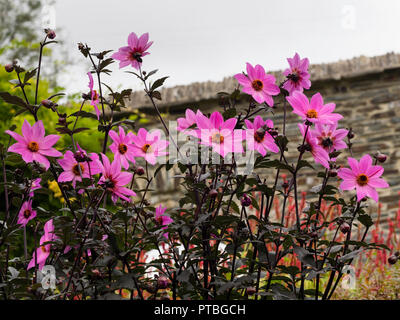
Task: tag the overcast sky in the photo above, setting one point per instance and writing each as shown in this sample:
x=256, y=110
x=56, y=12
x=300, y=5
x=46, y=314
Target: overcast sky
x=210, y=39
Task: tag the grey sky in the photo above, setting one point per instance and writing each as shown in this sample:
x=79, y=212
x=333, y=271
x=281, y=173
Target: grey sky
x=210, y=39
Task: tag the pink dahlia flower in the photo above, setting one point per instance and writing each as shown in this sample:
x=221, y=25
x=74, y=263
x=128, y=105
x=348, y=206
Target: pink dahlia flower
x=122, y=147
x=330, y=138
x=94, y=96
x=26, y=213
x=320, y=155
x=163, y=219
x=133, y=53
x=313, y=110
x=260, y=139
x=115, y=180
x=219, y=134
x=185, y=123
x=33, y=145
x=43, y=251
x=71, y=168
x=363, y=176
x=34, y=186
x=258, y=84
x=297, y=75
x=149, y=145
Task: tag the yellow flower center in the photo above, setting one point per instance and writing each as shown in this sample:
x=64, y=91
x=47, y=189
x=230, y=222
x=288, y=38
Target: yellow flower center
x=122, y=148
x=146, y=148
x=362, y=179
x=257, y=85
x=43, y=249
x=75, y=169
x=312, y=114
x=33, y=146
x=217, y=138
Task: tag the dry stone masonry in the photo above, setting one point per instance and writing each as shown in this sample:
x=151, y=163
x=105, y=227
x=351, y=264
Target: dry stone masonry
x=366, y=91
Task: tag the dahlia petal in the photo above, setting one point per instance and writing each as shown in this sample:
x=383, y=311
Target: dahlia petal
x=250, y=71
x=353, y=163
x=365, y=163
x=372, y=193
x=133, y=40
x=50, y=152
x=41, y=159
x=248, y=123
x=26, y=130
x=242, y=79
x=346, y=173
x=16, y=136
x=66, y=176
x=229, y=124
x=347, y=185
x=144, y=38
x=361, y=193
x=216, y=119
x=49, y=141
x=378, y=183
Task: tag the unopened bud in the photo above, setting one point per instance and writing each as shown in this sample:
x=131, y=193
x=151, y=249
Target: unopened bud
x=393, y=259
x=47, y=103
x=344, y=227
x=213, y=193
x=333, y=173
x=380, y=157
x=9, y=67
x=162, y=282
x=250, y=291
x=62, y=121
x=350, y=134
x=50, y=33
x=245, y=201
x=139, y=171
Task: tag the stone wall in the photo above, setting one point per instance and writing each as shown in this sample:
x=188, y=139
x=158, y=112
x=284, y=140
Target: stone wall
x=366, y=92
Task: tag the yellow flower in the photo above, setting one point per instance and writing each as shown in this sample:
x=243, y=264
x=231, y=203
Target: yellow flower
x=53, y=186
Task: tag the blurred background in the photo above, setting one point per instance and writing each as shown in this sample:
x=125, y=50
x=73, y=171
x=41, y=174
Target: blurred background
x=207, y=40
x=351, y=45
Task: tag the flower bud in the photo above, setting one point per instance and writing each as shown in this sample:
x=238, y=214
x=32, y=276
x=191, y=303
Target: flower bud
x=50, y=33
x=213, y=193
x=344, y=227
x=333, y=173
x=139, y=171
x=250, y=291
x=393, y=259
x=162, y=282
x=62, y=121
x=9, y=67
x=79, y=155
x=350, y=134
x=314, y=234
x=47, y=103
x=273, y=132
x=245, y=201
x=380, y=157
x=285, y=185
